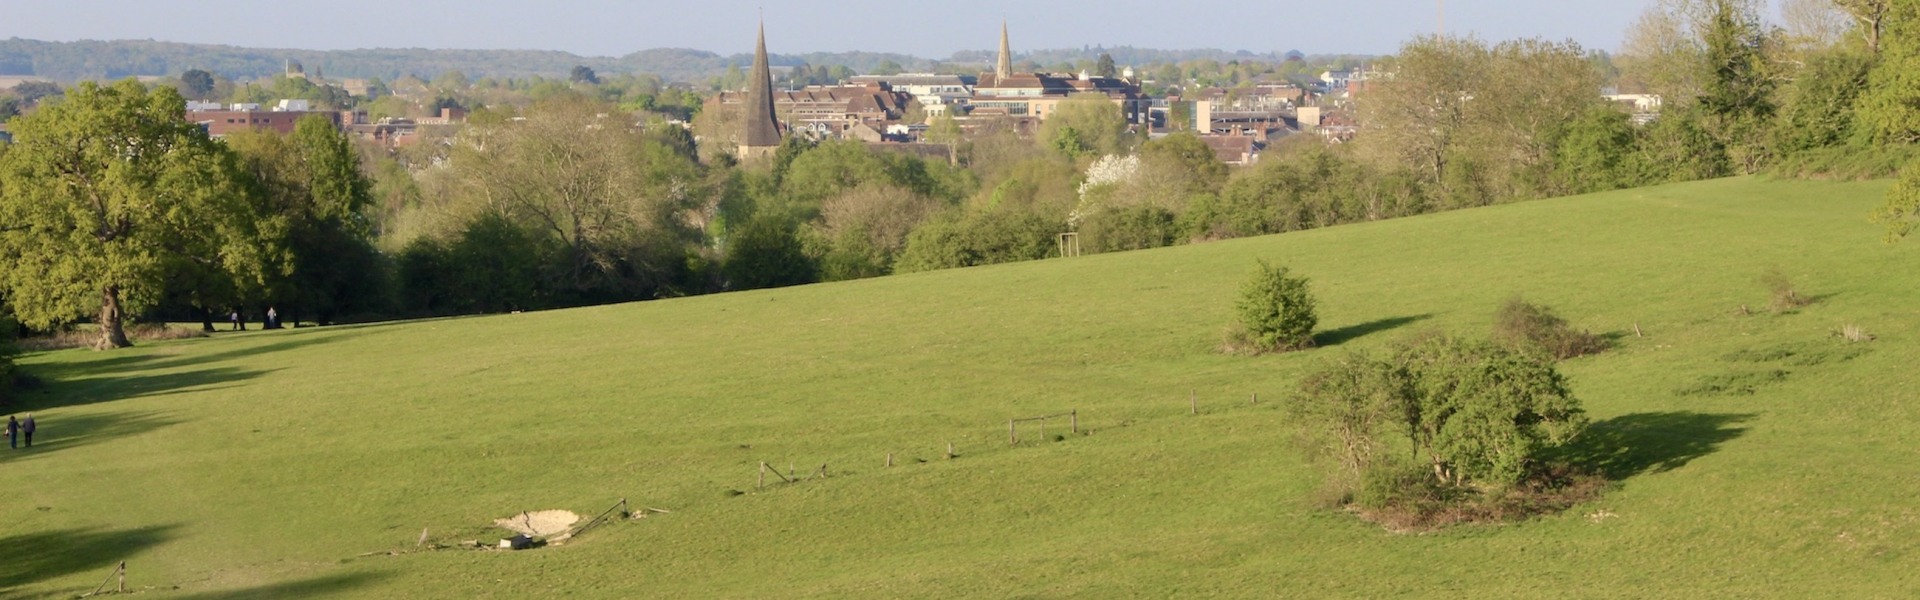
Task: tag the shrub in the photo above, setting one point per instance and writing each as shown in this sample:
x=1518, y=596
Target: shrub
x=1130, y=228
x=767, y=253
x=1444, y=426
x=1532, y=327
x=987, y=238
x=1276, y=312
x=1784, y=297
x=1901, y=213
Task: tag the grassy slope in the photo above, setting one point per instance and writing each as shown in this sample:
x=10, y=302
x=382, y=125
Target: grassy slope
x=263, y=464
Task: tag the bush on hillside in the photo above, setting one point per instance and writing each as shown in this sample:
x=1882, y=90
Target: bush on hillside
x=1535, y=328
x=1130, y=228
x=1901, y=213
x=1276, y=312
x=767, y=253
x=1783, y=297
x=1443, y=430
x=987, y=238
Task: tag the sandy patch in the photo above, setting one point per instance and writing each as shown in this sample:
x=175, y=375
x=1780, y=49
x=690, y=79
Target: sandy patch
x=539, y=523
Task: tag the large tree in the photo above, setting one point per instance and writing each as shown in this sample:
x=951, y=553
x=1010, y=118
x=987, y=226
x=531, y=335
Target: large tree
x=196, y=84
x=617, y=204
x=1086, y=125
x=105, y=196
x=311, y=180
x=1869, y=18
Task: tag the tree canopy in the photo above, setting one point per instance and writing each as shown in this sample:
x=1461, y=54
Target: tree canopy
x=108, y=194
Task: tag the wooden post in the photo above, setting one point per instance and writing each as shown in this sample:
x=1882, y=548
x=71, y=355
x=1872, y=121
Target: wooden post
x=123, y=577
x=762, y=484
x=423, y=537
x=889, y=459
x=1075, y=415
x=1254, y=398
x=1043, y=430
x=949, y=450
x=1193, y=399
x=790, y=470
x=1636, y=331
x=1011, y=438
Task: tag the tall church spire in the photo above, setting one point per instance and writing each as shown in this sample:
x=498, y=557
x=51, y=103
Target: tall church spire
x=762, y=129
x=1005, y=68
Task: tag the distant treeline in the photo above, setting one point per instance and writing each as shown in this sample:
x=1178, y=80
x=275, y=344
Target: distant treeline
x=73, y=61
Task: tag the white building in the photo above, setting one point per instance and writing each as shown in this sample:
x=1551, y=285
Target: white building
x=934, y=92
x=1642, y=103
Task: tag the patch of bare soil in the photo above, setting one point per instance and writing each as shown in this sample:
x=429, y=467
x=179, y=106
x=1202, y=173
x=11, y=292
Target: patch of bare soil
x=539, y=523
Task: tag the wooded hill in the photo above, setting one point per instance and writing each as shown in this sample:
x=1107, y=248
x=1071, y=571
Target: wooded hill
x=90, y=59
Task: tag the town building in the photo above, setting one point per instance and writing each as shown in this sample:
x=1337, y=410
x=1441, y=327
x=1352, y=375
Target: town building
x=1004, y=93
x=761, y=128
x=220, y=121
x=937, y=94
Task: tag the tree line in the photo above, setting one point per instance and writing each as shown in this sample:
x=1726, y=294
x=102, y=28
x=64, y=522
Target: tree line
x=574, y=195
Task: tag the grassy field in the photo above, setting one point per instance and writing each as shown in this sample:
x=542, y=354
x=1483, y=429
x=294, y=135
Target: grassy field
x=1756, y=455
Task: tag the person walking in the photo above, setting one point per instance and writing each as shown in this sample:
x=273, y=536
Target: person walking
x=26, y=427
x=273, y=318
x=13, y=432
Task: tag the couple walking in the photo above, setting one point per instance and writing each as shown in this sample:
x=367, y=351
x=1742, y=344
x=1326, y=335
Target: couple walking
x=17, y=429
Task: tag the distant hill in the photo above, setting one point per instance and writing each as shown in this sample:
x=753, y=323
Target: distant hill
x=72, y=61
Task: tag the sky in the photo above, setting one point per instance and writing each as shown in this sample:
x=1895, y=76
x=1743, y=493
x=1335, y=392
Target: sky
x=930, y=29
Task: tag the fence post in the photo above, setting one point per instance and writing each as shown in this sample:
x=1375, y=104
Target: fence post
x=1011, y=438
x=1075, y=415
x=1254, y=399
x=762, y=484
x=123, y=577
x=1193, y=399
x=889, y=459
x=949, y=450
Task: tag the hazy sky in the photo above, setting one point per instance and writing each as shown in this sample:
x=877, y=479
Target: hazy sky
x=933, y=29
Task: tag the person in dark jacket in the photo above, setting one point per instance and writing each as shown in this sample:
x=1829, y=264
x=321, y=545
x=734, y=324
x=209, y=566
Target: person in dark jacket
x=26, y=427
x=13, y=432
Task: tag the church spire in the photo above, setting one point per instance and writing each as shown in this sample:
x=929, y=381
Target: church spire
x=1005, y=68
x=763, y=131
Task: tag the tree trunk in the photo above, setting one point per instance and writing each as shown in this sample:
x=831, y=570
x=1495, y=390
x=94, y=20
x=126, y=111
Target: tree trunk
x=206, y=320
x=113, y=334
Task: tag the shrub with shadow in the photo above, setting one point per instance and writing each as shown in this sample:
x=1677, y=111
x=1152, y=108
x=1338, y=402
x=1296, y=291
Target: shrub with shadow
x=1629, y=445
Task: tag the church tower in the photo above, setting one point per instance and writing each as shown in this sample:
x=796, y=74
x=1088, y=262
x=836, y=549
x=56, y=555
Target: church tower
x=1004, y=68
x=762, y=125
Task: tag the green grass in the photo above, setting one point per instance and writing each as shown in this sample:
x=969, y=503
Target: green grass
x=266, y=464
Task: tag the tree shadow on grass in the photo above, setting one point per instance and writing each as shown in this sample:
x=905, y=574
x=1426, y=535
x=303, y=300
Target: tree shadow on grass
x=1335, y=337
x=295, y=341
x=30, y=558
x=1629, y=445
x=95, y=390
x=66, y=433
x=120, y=362
x=305, y=588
